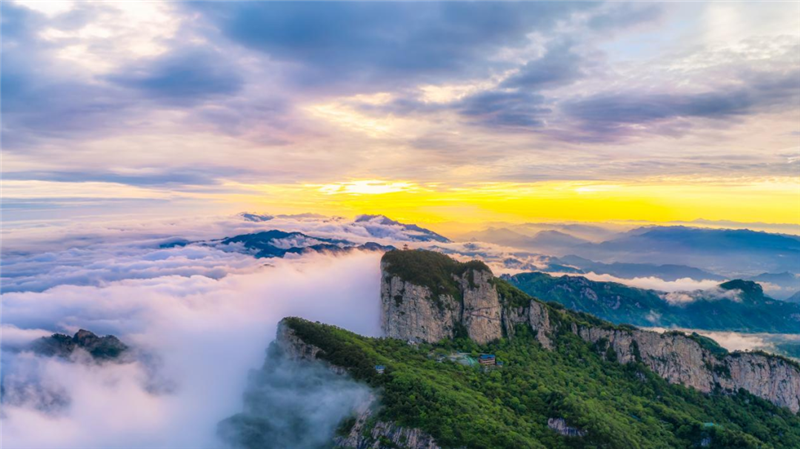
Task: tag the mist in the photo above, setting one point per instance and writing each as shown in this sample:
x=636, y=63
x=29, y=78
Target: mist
x=293, y=403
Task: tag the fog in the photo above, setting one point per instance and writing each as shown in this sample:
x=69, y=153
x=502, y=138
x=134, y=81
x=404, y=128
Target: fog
x=293, y=404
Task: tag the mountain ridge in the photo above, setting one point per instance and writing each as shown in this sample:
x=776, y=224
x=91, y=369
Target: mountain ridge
x=736, y=305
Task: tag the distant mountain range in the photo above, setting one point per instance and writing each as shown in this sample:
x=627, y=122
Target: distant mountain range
x=547, y=241
x=666, y=252
x=276, y=243
x=667, y=272
x=279, y=243
x=377, y=226
x=743, y=252
x=736, y=305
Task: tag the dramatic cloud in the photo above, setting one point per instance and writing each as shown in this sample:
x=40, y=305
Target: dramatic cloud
x=380, y=45
x=265, y=95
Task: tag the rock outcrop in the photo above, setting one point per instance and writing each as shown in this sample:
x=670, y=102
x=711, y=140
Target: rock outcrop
x=443, y=298
x=560, y=426
x=380, y=434
x=100, y=348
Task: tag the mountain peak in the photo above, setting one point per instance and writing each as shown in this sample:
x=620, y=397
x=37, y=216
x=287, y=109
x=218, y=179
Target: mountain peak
x=750, y=288
x=376, y=226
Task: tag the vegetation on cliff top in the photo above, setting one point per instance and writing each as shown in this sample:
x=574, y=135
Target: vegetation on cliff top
x=430, y=269
x=620, y=406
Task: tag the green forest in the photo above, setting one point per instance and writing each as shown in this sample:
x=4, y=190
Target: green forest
x=619, y=406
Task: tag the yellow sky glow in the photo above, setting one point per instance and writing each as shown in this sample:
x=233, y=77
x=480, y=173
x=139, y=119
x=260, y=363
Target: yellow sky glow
x=769, y=201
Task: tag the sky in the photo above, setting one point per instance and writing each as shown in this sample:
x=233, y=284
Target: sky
x=425, y=112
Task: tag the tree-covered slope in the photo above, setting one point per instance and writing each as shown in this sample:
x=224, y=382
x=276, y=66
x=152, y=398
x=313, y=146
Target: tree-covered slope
x=617, y=406
x=734, y=306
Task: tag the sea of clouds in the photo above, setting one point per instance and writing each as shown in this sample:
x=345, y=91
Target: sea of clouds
x=199, y=316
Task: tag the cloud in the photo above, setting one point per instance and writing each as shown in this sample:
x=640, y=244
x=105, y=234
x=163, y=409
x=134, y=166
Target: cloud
x=505, y=109
x=617, y=115
x=43, y=257
x=185, y=77
x=559, y=66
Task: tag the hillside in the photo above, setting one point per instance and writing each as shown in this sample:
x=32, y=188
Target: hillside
x=734, y=306
x=428, y=401
x=564, y=378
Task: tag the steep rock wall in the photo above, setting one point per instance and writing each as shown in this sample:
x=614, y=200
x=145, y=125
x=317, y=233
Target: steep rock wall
x=681, y=360
x=409, y=312
x=481, y=306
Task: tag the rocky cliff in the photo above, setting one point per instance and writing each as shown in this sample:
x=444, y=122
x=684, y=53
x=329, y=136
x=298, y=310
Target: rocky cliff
x=437, y=298
x=428, y=296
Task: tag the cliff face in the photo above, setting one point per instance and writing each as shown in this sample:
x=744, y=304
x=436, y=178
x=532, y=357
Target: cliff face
x=412, y=311
x=766, y=377
x=376, y=436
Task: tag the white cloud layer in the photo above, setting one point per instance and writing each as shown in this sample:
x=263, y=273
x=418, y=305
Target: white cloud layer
x=206, y=332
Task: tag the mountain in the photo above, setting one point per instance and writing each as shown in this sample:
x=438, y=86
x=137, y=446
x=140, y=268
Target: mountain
x=100, y=348
x=547, y=241
x=733, y=306
x=472, y=361
x=381, y=227
x=255, y=218
x=782, y=285
x=276, y=243
x=555, y=242
x=667, y=272
x=719, y=250
x=795, y=298
x=500, y=236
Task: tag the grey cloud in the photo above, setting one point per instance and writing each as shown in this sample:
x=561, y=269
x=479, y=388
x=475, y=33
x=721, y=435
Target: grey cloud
x=186, y=76
x=610, y=115
x=559, y=66
x=505, y=109
x=366, y=46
